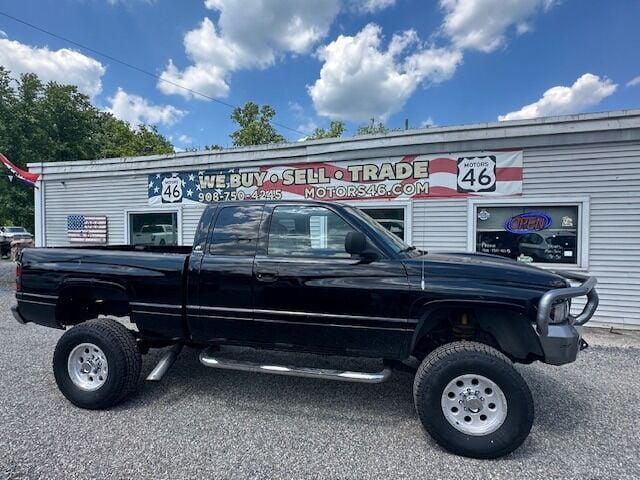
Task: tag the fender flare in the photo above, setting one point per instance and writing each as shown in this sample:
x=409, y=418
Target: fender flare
x=93, y=286
x=508, y=323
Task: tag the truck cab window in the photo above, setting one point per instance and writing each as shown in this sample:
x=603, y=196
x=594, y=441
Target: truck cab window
x=236, y=231
x=307, y=232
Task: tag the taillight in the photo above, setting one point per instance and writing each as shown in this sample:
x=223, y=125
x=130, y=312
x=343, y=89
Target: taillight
x=18, y=275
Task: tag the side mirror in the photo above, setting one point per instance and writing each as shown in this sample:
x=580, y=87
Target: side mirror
x=355, y=243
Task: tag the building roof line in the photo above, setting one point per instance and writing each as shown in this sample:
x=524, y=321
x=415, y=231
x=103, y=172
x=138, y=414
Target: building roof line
x=613, y=120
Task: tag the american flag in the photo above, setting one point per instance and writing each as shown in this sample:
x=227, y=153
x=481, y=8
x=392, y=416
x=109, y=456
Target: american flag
x=82, y=229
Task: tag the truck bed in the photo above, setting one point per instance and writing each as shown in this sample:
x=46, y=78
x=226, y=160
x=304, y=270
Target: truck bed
x=136, y=279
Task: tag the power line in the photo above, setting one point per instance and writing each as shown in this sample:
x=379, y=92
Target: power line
x=133, y=67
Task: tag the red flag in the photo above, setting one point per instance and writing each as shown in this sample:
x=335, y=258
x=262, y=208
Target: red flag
x=27, y=177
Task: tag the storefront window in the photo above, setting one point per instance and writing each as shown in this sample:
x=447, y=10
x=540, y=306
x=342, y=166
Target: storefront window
x=153, y=228
x=529, y=234
x=390, y=218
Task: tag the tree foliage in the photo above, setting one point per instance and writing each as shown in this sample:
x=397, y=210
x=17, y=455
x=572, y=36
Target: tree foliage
x=336, y=129
x=53, y=123
x=372, y=128
x=255, y=125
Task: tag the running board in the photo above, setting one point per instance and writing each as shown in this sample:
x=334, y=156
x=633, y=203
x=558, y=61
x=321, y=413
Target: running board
x=165, y=363
x=324, y=373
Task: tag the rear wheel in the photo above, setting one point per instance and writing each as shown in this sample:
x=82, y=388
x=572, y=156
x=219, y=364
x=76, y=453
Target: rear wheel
x=97, y=364
x=472, y=400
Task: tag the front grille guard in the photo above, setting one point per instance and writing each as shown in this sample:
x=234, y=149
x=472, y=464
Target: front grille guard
x=587, y=287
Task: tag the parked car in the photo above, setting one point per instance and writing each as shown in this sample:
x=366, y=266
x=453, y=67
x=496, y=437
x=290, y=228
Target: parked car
x=393, y=225
x=155, y=235
x=8, y=234
x=316, y=278
x=554, y=246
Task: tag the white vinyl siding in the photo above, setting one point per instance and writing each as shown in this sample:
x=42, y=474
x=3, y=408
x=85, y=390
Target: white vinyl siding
x=440, y=225
x=610, y=176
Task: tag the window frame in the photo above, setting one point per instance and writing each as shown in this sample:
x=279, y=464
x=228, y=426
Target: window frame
x=389, y=204
x=136, y=211
x=582, y=202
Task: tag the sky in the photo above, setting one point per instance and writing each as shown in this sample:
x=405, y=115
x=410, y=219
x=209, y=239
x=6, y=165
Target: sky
x=432, y=62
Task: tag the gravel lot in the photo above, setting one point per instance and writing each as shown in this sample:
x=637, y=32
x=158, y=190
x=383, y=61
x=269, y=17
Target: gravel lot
x=201, y=423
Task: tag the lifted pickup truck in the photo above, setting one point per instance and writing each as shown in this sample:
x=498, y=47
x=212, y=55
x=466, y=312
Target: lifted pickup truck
x=316, y=278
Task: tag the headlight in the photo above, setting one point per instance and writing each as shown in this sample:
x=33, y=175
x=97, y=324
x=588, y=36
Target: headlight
x=560, y=312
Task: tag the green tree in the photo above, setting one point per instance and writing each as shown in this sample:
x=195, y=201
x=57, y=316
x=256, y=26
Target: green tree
x=372, y=129
x=255, y=125
x=117, y=139
x=52, y=122
x=336, y=129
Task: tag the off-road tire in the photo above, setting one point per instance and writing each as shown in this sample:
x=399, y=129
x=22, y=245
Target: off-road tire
x=123, y=357
x=449, y=361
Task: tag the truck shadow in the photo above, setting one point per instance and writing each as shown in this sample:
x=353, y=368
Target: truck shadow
x=387, y=403
x=275, y=394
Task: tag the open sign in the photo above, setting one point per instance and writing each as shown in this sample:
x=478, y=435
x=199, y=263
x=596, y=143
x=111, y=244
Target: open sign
x=528, y=222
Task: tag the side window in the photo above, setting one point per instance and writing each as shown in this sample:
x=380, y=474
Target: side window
x=307, y=232
x=236, y=231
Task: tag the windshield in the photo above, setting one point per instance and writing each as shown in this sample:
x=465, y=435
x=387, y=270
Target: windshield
x=389, y=238
x=15, y=229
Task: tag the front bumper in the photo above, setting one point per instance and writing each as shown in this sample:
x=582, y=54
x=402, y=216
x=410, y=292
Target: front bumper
x=16, y=314
x=562, y=344
x=549, y=299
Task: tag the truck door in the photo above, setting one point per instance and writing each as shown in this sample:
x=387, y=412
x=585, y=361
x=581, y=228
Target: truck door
x=223, y=308
x=310, y=292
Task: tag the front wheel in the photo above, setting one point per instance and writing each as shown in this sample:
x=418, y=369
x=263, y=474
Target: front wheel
x=472, y=400
x=97, y=364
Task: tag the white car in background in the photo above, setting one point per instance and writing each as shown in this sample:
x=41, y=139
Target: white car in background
x=8, y=234
x=155, y=235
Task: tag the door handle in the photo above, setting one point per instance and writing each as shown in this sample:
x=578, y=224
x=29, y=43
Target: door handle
x=267, y=276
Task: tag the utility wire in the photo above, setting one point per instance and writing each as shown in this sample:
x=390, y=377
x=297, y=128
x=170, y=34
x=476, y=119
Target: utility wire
x=133, y=67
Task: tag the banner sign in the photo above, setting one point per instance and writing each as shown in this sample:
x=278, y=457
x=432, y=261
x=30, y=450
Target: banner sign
x=25, y=177
x=410, y=177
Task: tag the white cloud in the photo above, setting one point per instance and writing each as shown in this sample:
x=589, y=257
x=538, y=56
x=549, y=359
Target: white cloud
x=248, y=34
x=587, y=91
x=634, y=82
x=3, y=34
x=206, y=79
x=137, y=110
x=372, y=6
x=483, y=24
x=185, y=139
x=428, y=123
x=63, y=66
x=360, y=80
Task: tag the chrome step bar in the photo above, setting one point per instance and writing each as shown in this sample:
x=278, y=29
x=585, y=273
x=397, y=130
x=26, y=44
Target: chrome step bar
x=341, y=375
x=165, y=363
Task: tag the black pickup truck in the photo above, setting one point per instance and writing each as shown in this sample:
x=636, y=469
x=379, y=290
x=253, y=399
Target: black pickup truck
x=317, y=278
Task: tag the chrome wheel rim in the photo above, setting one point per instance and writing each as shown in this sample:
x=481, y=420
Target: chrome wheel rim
x=474, y=405
x=88, y=367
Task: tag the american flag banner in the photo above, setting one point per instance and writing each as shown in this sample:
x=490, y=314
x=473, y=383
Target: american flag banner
x=410, y=177
x=87, y=229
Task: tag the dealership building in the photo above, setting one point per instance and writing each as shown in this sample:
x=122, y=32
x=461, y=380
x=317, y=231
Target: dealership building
x=561, y=192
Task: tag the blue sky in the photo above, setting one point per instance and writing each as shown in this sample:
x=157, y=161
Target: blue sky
x=440, y=62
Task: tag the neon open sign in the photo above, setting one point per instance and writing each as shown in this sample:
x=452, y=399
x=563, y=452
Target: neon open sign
x=528, y=222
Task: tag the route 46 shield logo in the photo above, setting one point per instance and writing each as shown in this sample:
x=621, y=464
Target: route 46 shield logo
x=477, y=174
x=171, y=190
